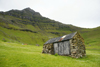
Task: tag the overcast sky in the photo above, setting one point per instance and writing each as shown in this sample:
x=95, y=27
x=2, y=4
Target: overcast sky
x=82, y=13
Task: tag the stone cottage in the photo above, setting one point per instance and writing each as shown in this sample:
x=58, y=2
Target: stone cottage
x=67, y=45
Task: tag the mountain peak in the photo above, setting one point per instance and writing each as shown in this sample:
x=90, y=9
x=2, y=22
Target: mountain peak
x=28, y=9
x=31, y=11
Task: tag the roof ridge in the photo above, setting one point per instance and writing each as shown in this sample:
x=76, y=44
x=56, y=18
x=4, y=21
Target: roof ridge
x=61, y=38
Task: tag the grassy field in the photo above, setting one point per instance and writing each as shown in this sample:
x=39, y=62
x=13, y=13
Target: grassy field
x=18, y=55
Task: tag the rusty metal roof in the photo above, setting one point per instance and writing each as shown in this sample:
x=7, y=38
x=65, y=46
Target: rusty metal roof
x=62, y=38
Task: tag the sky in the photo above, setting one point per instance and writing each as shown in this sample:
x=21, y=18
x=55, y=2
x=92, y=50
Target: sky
x=81, y=13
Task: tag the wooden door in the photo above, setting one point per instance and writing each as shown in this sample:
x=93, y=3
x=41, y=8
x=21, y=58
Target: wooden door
x=66, y=48
x=56, y=48
x=60, y=48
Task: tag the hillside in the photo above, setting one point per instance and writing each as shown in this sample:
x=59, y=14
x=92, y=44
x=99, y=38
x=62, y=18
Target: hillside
x=30, y=27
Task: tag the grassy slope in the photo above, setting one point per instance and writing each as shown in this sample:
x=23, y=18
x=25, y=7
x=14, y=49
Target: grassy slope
x=44, y=31
x=91, y=36
x=17, y=55
x=44, y=27
x=22, y=36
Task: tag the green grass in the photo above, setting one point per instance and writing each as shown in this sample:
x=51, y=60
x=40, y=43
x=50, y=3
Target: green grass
x=23, y=37
x=18, y=55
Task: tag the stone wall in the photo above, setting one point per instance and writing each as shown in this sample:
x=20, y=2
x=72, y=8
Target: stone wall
x=48, y=49
x=77, y=46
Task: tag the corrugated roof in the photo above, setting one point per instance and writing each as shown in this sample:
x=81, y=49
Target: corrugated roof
x=62, y=38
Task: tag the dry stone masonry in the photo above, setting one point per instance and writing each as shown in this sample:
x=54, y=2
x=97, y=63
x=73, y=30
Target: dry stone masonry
x=68, y=45
x=77, y=46
x=49, y=49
